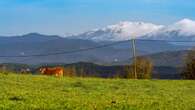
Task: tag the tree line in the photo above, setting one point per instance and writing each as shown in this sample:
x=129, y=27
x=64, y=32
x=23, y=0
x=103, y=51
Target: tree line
x=144, y=69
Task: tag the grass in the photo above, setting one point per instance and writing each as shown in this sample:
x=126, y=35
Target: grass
x=24, y=92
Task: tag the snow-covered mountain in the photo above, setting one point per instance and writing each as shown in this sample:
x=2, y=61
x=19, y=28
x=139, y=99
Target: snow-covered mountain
x=122, y=31
x=181, y=30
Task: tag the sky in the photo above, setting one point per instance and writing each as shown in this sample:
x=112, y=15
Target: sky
x=63, y=17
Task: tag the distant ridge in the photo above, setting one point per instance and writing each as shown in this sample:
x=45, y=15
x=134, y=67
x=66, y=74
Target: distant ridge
x=35, y=44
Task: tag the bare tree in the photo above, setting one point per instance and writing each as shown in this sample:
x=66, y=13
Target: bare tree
x=144, y=68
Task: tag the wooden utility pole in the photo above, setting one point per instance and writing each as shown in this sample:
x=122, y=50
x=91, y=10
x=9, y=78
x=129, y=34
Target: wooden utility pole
x=134, y=58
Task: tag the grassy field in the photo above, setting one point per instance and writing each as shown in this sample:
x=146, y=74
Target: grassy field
x=24, y=92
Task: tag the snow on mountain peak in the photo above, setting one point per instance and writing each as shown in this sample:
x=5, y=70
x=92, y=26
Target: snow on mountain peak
x=186, y=27
x=132, y=29
x=127, y=30
x=121, y=31
x=181, y=30
x=185, y=21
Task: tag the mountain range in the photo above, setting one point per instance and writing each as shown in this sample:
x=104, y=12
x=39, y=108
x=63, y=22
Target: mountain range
x=35, y=44
x=181, y=30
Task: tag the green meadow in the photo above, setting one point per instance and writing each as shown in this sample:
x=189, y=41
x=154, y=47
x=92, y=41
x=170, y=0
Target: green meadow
x=35, y=92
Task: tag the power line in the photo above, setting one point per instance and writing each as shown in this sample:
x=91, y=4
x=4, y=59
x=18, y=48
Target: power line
x=67, y=52
x=182, y=41
x=91, y=48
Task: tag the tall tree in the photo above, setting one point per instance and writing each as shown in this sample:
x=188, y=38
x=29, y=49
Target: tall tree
x=189, y=68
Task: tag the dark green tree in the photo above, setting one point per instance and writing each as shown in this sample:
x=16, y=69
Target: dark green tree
x=189, y=68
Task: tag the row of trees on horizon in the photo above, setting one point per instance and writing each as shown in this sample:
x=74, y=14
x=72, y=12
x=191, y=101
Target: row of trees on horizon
x=144, y=69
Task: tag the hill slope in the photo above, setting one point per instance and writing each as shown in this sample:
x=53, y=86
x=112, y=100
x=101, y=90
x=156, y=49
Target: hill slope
x=166, y=58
